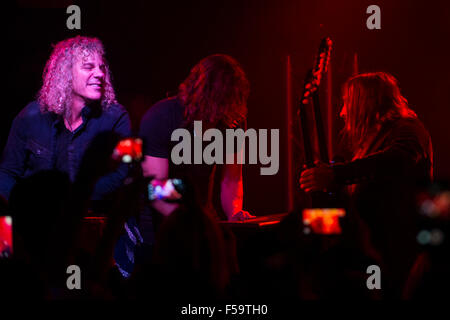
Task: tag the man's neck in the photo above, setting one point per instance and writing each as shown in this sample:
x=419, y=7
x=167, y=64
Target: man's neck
x=77, y=105
x=74, y=120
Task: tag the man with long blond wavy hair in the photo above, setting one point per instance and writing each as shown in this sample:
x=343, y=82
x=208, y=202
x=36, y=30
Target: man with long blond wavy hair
x=75, y=103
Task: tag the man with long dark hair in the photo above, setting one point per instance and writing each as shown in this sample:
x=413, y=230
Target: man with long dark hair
x=215, y=93
x=189, y=242
x=391, y=156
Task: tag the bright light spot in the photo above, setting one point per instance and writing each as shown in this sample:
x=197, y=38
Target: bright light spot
x=8, y=220
x=437, y=237
x=127, y=158
x=424, y=237
x=428, y=208
x=443, y=202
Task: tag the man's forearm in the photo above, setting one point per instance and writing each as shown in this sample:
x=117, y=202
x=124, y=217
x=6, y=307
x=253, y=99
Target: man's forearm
x=231, y=197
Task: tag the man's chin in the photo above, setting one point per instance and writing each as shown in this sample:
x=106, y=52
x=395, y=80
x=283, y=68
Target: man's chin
x=94, y=97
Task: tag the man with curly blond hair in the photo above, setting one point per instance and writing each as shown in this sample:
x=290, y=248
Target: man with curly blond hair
x=75, y=104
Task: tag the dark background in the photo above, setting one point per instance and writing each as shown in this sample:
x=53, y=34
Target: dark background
x=151, y=46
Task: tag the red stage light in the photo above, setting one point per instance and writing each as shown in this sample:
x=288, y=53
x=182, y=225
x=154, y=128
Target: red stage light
x=5, y=236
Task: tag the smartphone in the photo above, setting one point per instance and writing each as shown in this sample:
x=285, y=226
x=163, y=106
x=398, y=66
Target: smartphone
x=169, y=190
x=128, y=150
x=322, y=220
x=6, y=240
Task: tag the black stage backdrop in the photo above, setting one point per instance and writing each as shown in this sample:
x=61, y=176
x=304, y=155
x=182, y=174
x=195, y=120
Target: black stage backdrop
x=151, y=46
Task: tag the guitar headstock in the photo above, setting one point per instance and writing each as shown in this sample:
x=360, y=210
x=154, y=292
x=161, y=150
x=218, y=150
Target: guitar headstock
x=314, y=76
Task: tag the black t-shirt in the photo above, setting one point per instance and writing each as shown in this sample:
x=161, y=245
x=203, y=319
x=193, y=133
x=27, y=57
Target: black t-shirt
x=157, y=126
x=156, y=130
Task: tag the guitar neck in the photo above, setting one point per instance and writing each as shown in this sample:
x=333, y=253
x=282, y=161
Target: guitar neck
x=319, y=128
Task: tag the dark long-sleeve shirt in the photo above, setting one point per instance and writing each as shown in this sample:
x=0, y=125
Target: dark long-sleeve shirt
x=383, y=184
x=39, y=141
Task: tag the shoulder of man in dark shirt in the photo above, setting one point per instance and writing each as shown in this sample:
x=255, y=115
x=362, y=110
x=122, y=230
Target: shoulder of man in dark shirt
x=415, y=138
x=410, y=125
x=163, y=108
x=407, y=144
x=414, y=126
x=32, y=109
x=29, y=116
x=157, y=125
x=114, y=111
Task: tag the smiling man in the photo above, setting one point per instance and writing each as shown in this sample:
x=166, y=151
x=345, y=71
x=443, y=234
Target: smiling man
x=75, y=104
